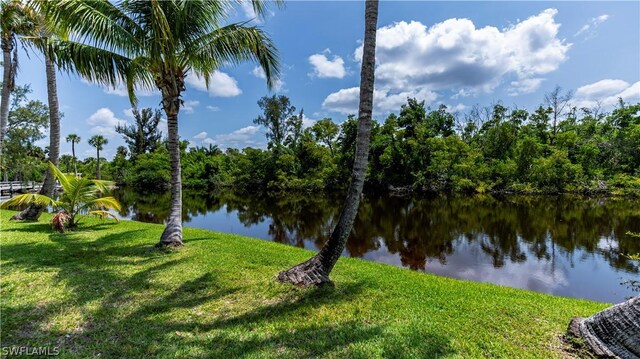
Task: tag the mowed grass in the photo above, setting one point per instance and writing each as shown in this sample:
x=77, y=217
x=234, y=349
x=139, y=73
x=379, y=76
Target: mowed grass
x=104, y=290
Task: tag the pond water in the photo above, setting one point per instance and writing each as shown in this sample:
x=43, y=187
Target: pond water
x=564, y=245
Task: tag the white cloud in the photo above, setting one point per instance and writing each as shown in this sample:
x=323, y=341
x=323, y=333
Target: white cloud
x=524, y=86
x=200, y=136
x=307, y=122
x=213, y=108
x=346, y=100
x=589, y=29
x=128, y=112
x=208, y=141
x=240, y=138
x=250, y=14
x=457, y=108
x=189, y=106
x=324, y=67
x=259, y=73
x=104, y=122
x=601, y=88
x=220, y=84
x=455, y=55
x=606, y=93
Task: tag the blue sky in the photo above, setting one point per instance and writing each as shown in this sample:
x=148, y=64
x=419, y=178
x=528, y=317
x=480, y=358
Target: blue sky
x=456, y=53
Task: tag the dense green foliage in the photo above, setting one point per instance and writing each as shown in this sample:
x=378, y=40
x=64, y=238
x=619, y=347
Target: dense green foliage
x=418, y=149
x=28, y=121
x=108, y=293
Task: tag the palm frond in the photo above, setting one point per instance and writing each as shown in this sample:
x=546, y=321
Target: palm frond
x=64, y=179
x=27, y=199
x=99, y=23
x=106, y=202
x=233, y=44
x=93, y=63
x=103, y=214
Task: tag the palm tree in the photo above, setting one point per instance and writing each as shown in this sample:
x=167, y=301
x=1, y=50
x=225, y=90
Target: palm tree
x=315, y=271
x=98, y=142
x=613, y=332
x=41, y=31
x=14, y=19
x=66, y=161
x=73, y=138
x=80, y=196
x=146, y=44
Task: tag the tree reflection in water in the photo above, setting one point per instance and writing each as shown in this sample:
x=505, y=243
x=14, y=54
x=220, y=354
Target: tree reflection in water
x=427, y=233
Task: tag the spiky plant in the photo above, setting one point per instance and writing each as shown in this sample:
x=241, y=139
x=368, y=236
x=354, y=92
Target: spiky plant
x=80, y=196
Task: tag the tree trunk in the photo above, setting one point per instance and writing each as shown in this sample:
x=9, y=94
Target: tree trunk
x=33, y=212
x=316, y=270
x=7, y=88
x=98, y=162
x=172, y=235
x=75, y=162
x=613, y=332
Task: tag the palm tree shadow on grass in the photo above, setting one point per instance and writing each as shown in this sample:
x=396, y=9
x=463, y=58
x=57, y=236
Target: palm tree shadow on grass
x=135, y=317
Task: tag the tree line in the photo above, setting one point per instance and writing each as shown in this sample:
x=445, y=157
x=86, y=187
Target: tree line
x=418, y=149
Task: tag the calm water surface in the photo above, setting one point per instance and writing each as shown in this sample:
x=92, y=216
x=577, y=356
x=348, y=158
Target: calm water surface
x=564, y=245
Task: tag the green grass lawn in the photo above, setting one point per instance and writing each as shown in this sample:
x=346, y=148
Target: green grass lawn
x=105, y=290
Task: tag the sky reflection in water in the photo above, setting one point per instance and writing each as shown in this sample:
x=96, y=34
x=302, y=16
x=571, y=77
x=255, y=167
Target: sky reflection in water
x=564, y=245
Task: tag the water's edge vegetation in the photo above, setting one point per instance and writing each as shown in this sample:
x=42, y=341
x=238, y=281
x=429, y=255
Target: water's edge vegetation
x=492, y=149
x=109, y=292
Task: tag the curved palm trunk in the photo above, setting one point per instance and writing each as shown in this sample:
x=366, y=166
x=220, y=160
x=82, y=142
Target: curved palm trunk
x=316, y=270
x=7, y=88
x=613, y=332
x=98, y=162
x=33, y=212
x=75, y=162
x=172, y=235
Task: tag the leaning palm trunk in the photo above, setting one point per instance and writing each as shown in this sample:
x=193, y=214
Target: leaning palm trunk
x=171, y=87
x=172, y=235
x=613, y=332
x=316, y=270
x=7, y=88
x=75, y=161
x=33, y=212
x=98, y=162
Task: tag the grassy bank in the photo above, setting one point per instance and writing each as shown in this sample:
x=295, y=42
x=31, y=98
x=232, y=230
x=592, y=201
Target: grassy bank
x=104, y=290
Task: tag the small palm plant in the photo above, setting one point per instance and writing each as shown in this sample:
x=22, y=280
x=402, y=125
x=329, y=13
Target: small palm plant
x=81, y=196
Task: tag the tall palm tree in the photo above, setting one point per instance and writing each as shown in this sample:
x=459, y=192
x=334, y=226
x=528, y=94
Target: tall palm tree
x=40, y=33
x=146, y=44
x=613, y=332
x=315, y=271
x=14, y=19
x=73, y=138
x=98, y=142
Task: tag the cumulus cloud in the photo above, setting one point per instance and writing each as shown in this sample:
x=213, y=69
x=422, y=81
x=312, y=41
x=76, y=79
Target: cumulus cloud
x=189, y=106
x=346, y=100
x=220, y=84
x=525, y=86
x=324, y=67
x=104, y=122
x=589, y=29
x=201, y=136
x=606, y=93
x=240, y=138
x=259, y=73
x=456, y=55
